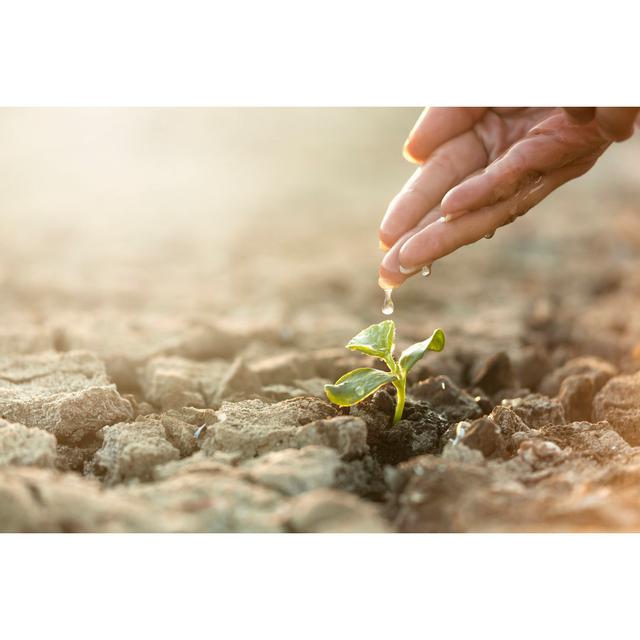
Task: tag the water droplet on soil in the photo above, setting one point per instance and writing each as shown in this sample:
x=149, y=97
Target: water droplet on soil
x=426, y=271
x=387, y=305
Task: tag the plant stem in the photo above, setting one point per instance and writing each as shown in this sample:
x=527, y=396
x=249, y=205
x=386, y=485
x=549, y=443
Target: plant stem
x=400, y=386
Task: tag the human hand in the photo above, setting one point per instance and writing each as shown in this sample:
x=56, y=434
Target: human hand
x=480, y=168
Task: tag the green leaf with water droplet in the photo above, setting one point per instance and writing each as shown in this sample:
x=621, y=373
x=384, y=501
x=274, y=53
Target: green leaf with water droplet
x=376, y=340
x=355, y=386
x=412, y=354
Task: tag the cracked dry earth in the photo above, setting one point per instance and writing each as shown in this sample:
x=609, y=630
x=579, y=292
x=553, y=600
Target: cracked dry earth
x=144, y=390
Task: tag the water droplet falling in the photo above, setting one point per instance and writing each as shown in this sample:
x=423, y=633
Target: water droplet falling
x=387, y=305
x=425, y=271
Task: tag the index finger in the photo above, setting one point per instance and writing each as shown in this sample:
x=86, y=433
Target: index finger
x=437, y=125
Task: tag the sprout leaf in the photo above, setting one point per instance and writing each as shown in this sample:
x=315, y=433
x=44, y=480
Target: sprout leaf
x=376, y=340
x=412, y=354
x=355, y=386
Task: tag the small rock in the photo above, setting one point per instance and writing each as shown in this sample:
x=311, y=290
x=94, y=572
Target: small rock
x=618, y=402
x=576, y=397
x=509, y=424
x=447, y=398
x=132, y=450
x=331, y=511
x=67, y=394
x=24, y=446
x=597, y=369
x=539, y=454
x=493, y=373
x=537, y=410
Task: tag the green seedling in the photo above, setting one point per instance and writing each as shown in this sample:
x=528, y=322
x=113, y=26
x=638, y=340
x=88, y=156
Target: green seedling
x=378, y=340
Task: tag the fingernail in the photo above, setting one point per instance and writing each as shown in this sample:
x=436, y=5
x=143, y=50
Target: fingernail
x=383, y=246
x=408, y=272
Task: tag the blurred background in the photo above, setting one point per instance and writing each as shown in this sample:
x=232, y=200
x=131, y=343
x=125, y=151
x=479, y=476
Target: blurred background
x=255, y=214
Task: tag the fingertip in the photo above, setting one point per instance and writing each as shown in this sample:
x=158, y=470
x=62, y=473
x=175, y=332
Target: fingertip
x=386, y=239
x=408, y=258
x=388, y=279
x=453, y=202
x=410, y=152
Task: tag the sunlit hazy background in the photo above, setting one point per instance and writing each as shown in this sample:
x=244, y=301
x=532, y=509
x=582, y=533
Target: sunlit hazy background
x=262, y=211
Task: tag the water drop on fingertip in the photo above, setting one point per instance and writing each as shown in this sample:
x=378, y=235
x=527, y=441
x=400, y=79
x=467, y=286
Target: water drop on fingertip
x=425, y=271
x=489, y=235
x=387, y=305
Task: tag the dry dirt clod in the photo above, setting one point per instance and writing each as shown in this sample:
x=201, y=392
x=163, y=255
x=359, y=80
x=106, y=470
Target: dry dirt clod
x=126, y=343
x=328, y=510
x=67, y=394
x=599, y=371
x=484, y=435
x=493, y=373
x=446, y=398
x=282, y=369
x=43, y=500
x=295, y=471
x=254, y=427
x=597, y=441
x=220, y=501
x=510, y=424
x=132, y=450
x=618, y=402
x=24, y=446
x=173, y=382
x=530, y=366
x=576, y=396
x=537, y=410
x=346, y=434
